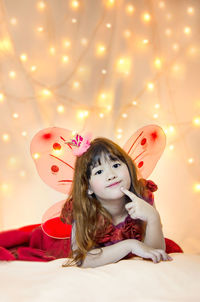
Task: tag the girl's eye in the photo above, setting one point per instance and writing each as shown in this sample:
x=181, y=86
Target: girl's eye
x=98, y=172
x=116, y=165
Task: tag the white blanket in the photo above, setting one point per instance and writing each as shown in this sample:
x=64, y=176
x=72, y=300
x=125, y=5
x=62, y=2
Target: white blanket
x=126, y=281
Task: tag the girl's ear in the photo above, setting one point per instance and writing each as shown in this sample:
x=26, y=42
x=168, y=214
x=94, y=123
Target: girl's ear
x=90, y=192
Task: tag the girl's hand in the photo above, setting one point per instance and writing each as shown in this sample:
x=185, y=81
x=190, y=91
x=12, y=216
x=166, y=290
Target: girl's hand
x=138, y=208
x=142, y=250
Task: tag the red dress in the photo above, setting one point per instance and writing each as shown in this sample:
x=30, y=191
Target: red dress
x=30, y=243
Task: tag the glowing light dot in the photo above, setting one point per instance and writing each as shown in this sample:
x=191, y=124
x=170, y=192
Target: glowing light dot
x=157, y=106
x=119, y=130
x=191, y=160
x=171, y=147
x=124, y=115
x=119, y=136
x=168, y=32
x=36, y=155
x=109, y=107
x=190, y=10
x=134, y=103
x=84, y=41
x=15, y=115
x=75, y=4
x=67, y=43
x=192, y=50
x=130, y=9
x=74, y=21
x=127, y=34
x=33, y=68
x=150, y=86
x=41, y=5
x=40, y=29
x=24, y=133
x=197, y=187
x=65, y=59
x=5, y=137
x=1, y=97
x=155, y=115
x=145, y=41
x=158, y=63
x=196, y=121
x=175, y=47
x=76, y=84
x=101, y=49
x=13, y=21
x=187, y=30
x=171, y=128
x=110, y=3
x=104, y=71
x=146, y=17
x=12, y=74
x=108, y=25
x=101, y=115
x=60, y=109
x=12, y=161
x=4, y=187
x=52, y=50
x=161, y=4
x=46, y=92
x=22, y=173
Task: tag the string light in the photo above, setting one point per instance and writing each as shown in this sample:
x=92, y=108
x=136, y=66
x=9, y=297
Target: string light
x=191, y=160
x=175, y=46
x=155, y=116
x=123, y=65
x=60, y=108
x=146, y=17
x=101, y=49
x=74, y=21
x=12, y=74
x=13, y=21
x=171, y=147
x=52, y=50
x=196, y=121
x=76, y=84
x=119, y=136
x=46, y=92
x=65, y=59
x=124, y=115
x=101, y=115
x=22, y=173
x=145, y=41
x=162, y=4
x=67, y=43
x=108, y=25
x=23, y=57
x=12, y=161
x=187, y=30
x=127, y=33
x=36, y=155
x=84, y=41
x=5, y=137
x=134, y=103
x=158, y=63
x=130, y=9
x=104, y=71
x=190, y=10
x=40, y=29
x=82, y=114
x=75, y=4
x=1, y=97
x=168, y=32
x=15, y=115
x=24, y=133
x=109, y=3
x=157, y=106
x=33, y=68
x=41, y=5
x=150, y=86
x=197, y=187
x=5, y=187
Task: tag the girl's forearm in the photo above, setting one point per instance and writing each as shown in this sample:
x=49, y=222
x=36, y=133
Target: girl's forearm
x=154, y=235
x=109, y=254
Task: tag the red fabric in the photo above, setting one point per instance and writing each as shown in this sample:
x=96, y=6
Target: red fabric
x=30, y=243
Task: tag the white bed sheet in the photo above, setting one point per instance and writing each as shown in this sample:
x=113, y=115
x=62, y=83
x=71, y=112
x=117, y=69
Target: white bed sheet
x=128, y=280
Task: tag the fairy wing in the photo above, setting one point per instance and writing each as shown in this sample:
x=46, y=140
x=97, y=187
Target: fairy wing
x=145, y=147
x=53, y=157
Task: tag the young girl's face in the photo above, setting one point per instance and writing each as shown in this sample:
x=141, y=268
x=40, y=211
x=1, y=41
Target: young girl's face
x=107, y=178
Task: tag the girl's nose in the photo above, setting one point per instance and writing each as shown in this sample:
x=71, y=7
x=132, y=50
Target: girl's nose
x=111, y=174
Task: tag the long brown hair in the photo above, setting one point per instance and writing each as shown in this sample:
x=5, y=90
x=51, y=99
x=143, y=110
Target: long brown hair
x=88, y=213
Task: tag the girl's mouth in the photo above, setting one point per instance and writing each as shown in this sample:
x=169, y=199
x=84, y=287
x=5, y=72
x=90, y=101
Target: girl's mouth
x=114, y=184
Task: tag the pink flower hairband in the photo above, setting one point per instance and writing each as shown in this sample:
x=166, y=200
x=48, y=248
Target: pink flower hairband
x=82, y=144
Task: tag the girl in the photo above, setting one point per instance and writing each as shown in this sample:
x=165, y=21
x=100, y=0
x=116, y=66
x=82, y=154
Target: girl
x=111, y=211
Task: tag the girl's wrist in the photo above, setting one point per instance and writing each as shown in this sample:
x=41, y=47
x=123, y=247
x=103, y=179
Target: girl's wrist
x=154, y=217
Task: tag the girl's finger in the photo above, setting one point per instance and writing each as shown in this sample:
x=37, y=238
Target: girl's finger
x=128, y=193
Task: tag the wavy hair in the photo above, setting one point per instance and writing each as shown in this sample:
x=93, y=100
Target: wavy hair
x=88, y=213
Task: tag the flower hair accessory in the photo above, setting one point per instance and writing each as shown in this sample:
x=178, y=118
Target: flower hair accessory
x=82, y=144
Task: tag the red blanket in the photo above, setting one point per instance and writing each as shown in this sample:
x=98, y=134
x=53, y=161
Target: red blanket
x=30, y=243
